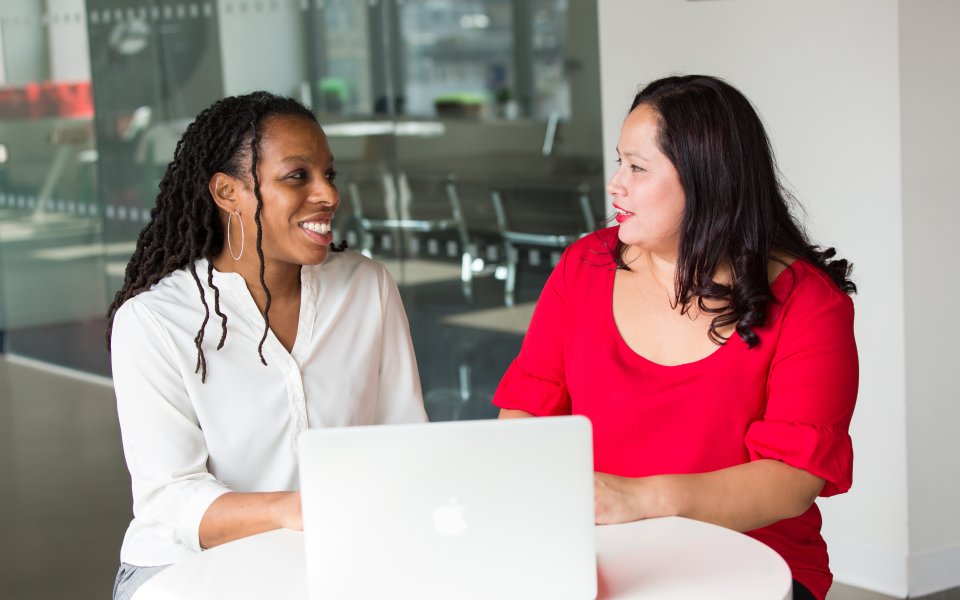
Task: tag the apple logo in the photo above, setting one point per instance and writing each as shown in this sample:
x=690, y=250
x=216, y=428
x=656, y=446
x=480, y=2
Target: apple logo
x=448, y=518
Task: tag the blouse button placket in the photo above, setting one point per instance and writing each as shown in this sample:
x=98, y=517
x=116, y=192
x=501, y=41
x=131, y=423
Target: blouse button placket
x=298, y=402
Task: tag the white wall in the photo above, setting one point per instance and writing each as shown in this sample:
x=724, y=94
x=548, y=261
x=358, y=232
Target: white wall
x=69, y=50
x=253, y=56
x=824, y=75
x=24, y=40
x=930, y=51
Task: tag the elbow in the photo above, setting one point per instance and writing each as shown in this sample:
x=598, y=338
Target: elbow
x=805, y=495
x=799, y=507
x=796, y=489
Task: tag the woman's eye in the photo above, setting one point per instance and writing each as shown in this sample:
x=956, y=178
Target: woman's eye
x=636, y=169
x=331, y=175
x=298, y=174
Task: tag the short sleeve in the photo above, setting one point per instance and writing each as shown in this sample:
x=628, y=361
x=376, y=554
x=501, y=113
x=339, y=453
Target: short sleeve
x=812, y=386
x=535, y=381
x=164, y=446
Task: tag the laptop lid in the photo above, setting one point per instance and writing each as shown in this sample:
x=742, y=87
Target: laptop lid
x=467, y=509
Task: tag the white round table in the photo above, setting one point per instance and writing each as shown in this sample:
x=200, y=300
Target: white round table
x=669, y=558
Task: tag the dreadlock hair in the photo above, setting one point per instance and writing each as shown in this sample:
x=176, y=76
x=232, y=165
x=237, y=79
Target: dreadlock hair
x=185, y=224
x=735, y=211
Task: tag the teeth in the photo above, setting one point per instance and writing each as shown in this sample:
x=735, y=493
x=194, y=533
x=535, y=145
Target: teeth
x=321, y=228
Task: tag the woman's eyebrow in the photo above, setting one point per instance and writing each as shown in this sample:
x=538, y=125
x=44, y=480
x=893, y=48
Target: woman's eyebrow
x=629, y=154
x=302, y=158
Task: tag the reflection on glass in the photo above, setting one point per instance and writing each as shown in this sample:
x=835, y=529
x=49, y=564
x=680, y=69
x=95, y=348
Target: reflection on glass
x=51, y=253
x=430, y=106
x=549, y=51
x=457, y=55
x=344, y=84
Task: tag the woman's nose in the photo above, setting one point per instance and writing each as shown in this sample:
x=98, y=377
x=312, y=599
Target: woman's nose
x=326, y=194
x=614, y=187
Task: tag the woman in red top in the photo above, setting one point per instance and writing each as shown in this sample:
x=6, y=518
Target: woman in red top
x=708, y=341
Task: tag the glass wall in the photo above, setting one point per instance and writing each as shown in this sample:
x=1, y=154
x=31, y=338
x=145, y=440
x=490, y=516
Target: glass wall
x=52, y=286
x=467, y=136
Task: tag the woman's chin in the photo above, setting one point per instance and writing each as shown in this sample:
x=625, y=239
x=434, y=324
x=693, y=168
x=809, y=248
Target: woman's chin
x=630, y=238
x=317, y=256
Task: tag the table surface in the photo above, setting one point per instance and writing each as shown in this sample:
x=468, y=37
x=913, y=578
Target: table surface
x=669, y=558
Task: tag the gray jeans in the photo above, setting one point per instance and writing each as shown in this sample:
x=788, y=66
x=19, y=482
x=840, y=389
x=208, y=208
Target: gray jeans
x=130, y=578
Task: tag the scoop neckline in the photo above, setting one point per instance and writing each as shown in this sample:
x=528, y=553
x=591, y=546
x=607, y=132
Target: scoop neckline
x=734, y=338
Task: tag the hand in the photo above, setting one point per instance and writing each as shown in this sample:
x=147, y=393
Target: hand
x=620, y=499
x=289, y=515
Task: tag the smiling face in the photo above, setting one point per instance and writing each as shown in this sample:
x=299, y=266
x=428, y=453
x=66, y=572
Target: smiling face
x=646, y=189
x=296, y=172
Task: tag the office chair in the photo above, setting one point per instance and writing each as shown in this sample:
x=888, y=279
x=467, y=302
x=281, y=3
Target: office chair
x=540, y=216
x=422, y=203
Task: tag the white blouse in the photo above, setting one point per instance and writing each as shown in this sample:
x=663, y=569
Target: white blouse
x=188, y=442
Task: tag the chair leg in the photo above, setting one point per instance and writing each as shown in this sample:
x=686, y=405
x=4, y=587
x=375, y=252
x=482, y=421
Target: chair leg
x=464, y=380
x=466, y=275
x=366, y=243
x=511, y=282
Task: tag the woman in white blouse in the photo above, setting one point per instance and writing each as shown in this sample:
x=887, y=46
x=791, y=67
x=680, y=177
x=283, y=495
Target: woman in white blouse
x=237, y=328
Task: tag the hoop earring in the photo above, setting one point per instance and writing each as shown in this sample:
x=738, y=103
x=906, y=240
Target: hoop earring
x=242, y=235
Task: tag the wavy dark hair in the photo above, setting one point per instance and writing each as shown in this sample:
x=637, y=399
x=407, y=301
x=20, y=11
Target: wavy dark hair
x=185, y=225
x=736, y=211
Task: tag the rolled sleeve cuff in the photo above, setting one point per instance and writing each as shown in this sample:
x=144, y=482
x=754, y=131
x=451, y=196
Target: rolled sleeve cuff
x=201, y=496
x=826, y=452
x=522, y=390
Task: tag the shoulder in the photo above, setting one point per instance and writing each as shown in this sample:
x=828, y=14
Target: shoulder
x=173, y=296
x=585, y=264
x=145, y=320
x=596, y=247
x=803, y=288
x=173, y=306
x=592, y=250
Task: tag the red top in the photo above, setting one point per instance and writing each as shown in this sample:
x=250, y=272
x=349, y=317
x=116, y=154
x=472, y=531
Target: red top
x=789, y=398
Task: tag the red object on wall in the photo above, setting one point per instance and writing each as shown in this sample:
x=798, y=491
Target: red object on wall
x=75, y=99
x=72, y=99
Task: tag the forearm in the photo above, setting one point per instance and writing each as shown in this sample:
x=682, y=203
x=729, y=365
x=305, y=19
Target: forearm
x=509, y=413
x=236, y=515
x=743, y=498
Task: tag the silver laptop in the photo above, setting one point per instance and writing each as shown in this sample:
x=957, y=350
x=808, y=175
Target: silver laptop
x=468, y=509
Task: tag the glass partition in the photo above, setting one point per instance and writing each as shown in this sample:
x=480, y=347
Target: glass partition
x=154, y=66
x=433, y=108
x=497, y=79
x=52, y=291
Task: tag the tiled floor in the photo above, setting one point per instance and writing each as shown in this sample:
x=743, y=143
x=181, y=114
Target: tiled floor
x=65, y=501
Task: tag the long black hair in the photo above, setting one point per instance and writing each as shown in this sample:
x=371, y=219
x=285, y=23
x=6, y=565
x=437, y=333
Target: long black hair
x=736, y=211
x=185, y=224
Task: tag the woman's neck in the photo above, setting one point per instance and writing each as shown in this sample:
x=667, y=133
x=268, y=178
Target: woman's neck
x=661, y=266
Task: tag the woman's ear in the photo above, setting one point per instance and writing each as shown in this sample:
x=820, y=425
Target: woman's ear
x=223, y=188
